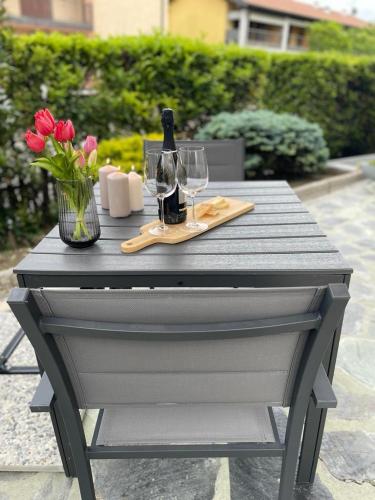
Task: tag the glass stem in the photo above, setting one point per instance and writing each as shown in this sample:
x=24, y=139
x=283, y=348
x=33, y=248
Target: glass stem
x=162, y=212
x=193, y=207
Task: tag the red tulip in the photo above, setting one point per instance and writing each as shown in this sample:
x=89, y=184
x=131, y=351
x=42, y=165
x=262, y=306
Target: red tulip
x=34, y=141
x=64, y=131
x=90, y=144
x=44, y=122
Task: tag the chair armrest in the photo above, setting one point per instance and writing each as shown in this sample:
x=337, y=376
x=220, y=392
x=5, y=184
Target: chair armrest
x=44, y=396
x=322, y=393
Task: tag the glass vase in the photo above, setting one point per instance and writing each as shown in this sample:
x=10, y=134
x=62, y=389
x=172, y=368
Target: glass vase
x=78, y=218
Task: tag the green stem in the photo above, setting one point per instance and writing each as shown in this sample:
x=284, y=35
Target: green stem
x=81, y=228
x=79, y=198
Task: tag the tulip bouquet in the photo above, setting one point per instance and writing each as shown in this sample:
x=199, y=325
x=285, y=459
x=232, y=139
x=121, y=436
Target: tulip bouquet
x=72, y=168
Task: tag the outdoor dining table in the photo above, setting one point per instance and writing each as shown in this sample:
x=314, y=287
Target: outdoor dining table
x=278, y=244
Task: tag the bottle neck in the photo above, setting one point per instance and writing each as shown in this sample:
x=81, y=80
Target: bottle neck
x=168, y=142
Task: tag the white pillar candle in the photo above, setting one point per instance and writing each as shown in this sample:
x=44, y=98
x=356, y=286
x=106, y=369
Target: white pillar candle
x=103, y=174
x=136, y=191
x=118, y=194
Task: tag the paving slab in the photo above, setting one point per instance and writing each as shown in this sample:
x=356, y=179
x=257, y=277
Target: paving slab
x=182, y=479
x=257, y=478
x=34, y=486
x=349, y=456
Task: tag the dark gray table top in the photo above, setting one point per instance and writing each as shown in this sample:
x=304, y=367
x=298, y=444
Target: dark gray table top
x=278, y=238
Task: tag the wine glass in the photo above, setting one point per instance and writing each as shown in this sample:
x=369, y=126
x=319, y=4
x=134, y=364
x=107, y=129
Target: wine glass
x=192, y=177
x=160, y=180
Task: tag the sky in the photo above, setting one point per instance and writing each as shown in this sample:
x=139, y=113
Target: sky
x=365, y=8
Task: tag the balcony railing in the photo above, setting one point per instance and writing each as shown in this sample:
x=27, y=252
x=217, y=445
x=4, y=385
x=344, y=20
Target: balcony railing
x=265, y=37
x=269, y=38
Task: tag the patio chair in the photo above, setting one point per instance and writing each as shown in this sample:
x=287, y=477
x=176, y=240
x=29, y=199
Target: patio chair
x=225, y=157
x=182, y=372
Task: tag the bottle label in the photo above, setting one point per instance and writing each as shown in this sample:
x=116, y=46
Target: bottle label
x=181, y=197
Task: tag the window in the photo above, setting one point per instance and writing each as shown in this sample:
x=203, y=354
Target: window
x=40, y=9
x=297, y=38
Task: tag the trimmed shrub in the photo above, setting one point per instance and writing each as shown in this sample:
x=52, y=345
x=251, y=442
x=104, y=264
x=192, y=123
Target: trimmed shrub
x=125, y=152
x=278, y=145
x=335, y=91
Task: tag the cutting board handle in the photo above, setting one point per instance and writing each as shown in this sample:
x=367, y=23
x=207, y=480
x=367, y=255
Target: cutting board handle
x=143, y=240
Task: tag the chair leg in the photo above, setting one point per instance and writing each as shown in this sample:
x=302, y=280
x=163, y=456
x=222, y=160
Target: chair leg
x=288, y=470
x=77, y=442
x=84, y=475
x=292, y=444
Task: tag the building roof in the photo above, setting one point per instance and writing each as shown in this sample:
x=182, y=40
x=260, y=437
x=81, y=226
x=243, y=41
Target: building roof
x=307, y=11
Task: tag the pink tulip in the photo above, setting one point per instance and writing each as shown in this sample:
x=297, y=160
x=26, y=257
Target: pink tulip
x=90, y=144
x=91, y=161
x=44, y=122
x=64, y=131
x=81, y=159
x=34, y=141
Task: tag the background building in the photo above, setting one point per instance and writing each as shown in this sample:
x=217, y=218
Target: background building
x=269, y=24
x=279, y=24
x=67, y=16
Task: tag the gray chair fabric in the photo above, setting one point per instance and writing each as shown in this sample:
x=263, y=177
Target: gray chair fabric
x=225, y=157
x=110, y=372
x=198, y=424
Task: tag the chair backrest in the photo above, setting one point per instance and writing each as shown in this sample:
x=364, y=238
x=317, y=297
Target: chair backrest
x=138, y=346
x=225, y=157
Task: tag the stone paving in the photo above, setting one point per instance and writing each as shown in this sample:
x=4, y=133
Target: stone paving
x=346, y=469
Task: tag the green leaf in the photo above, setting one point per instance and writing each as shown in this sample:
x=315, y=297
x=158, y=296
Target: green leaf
x=58, y=147
x=46, y=164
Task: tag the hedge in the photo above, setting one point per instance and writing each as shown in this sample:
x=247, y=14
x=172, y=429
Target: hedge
x=277, y=145
x=333, y=90
x=120, y=84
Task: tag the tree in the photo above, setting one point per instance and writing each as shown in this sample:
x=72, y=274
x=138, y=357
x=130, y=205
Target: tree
x=324, y=36
x=330, y=36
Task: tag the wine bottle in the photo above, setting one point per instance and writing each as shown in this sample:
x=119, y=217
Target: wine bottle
x=175, y=204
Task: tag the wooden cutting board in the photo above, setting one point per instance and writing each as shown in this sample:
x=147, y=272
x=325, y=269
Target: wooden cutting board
x=178, y=232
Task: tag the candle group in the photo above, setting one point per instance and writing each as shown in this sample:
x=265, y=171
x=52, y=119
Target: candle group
x=120, y=193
